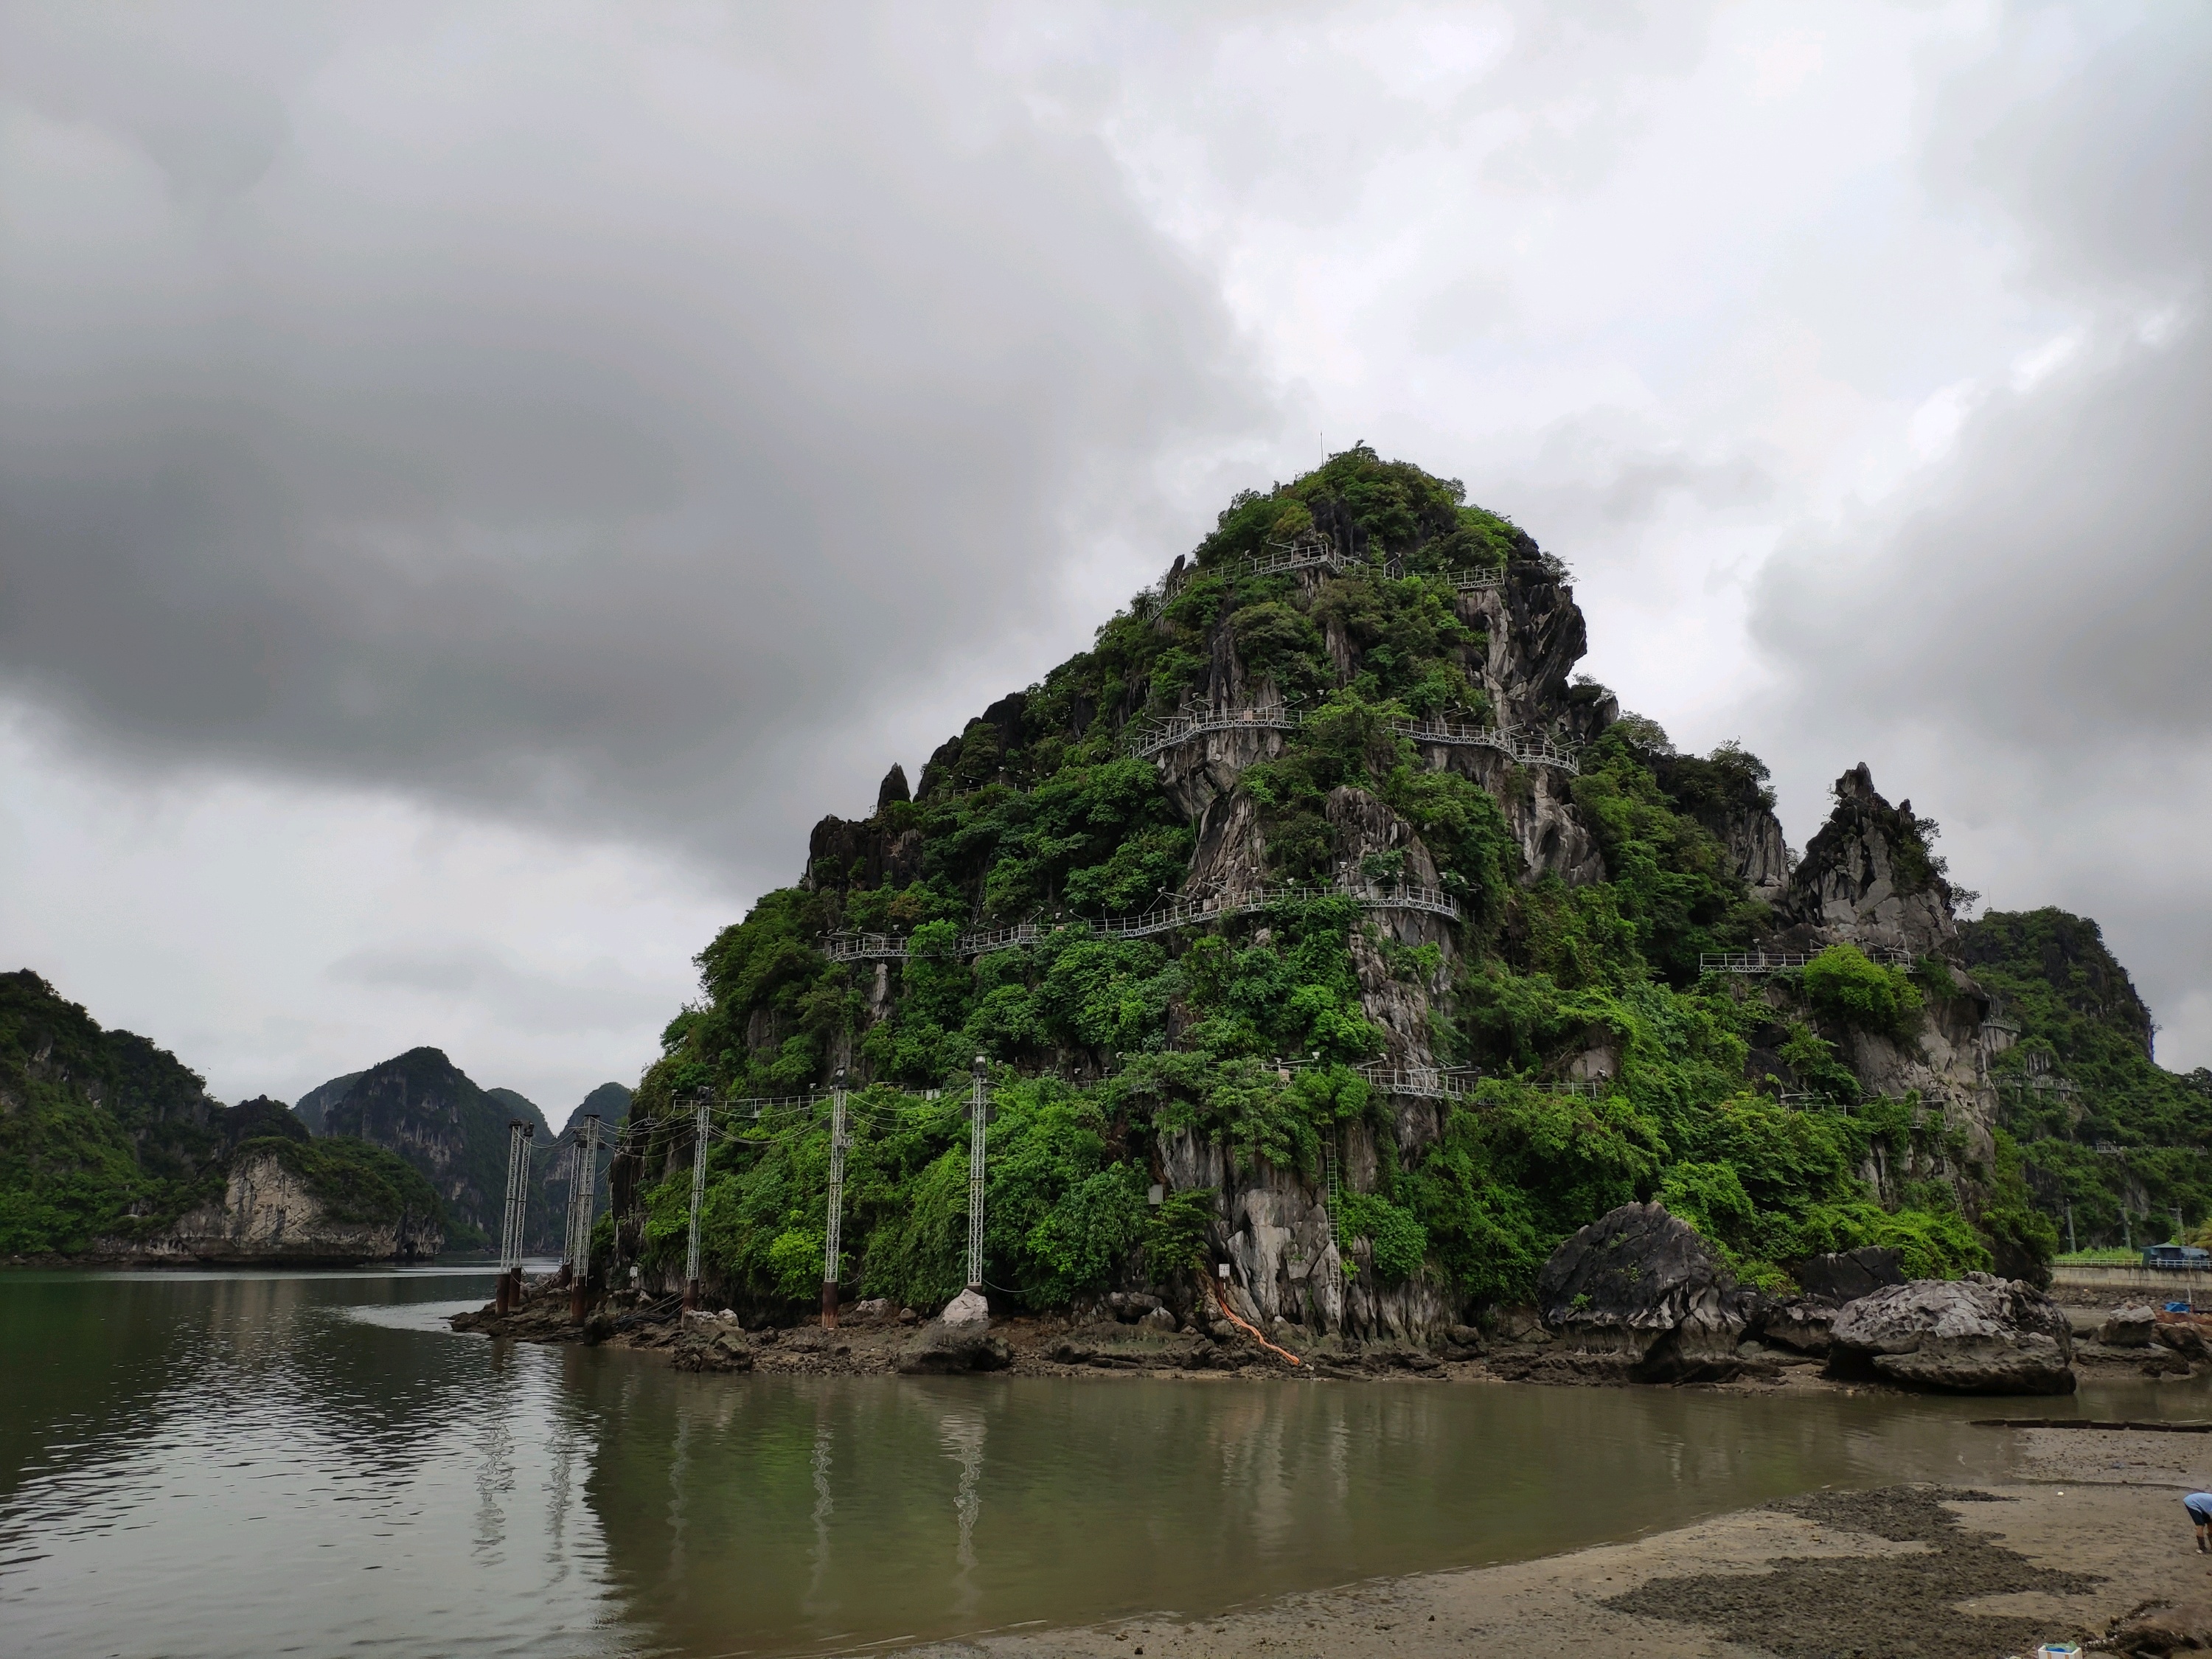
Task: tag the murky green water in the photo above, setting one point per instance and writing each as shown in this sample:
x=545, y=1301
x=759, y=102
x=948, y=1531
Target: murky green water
x=257, y=1464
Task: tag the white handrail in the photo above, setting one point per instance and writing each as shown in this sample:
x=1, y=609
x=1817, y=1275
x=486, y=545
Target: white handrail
x=1180, y=913
x=1776, y=962
x=1522, y=746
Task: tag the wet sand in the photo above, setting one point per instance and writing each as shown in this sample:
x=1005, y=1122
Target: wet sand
x=2090, y=1529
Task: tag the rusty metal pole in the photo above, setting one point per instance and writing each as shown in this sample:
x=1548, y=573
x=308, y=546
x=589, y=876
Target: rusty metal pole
x=698, y=1193
x=832, y=1237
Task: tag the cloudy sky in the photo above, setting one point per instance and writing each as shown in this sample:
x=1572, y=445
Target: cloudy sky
x=477, y=482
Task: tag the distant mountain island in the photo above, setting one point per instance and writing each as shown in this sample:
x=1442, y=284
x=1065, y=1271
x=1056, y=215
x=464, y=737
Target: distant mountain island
x=111, y=1149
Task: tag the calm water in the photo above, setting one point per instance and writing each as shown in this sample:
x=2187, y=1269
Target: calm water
x=253, y=1464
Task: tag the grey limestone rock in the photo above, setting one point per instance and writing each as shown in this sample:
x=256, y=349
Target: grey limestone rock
x=938, y=1349
x=1847, y=1275
x=1803, y=1326
x=1867, y=876
x=1638, y=1293
x=2129, y=1327
x=1979, y=1334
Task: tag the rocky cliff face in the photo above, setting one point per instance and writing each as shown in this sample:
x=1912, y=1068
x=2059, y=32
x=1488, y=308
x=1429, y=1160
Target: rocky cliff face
x=424, y=1107
x=272, y=1212
x=1867, y=879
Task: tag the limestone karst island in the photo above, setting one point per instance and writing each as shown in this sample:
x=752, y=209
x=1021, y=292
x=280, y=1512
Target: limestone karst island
x=1314, y=1009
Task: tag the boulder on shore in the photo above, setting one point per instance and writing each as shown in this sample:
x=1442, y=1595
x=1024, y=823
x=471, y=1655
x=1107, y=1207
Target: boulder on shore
x=712, y=1346
x=1637, y=1295
x=1979, y=1334
x=2129, y=1326
x=941, y=1346
x=966, y=1309
x=1847, y=1275
x=1802, y=1326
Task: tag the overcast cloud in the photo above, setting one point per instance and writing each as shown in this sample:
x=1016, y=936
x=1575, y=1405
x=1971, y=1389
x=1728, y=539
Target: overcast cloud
x=476, y=484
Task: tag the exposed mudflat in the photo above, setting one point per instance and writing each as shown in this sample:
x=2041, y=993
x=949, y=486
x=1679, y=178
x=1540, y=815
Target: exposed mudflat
x=2095, y=1535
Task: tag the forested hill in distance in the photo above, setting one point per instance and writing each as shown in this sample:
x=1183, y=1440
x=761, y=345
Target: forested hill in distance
x=111, y=1148
x=1323, y=894
x=431, y=1113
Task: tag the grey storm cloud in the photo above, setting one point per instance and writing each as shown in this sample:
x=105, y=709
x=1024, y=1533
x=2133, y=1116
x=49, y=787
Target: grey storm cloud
x=2049, y=578
x=2031, y=606
x=555, y=414
x=600, y=998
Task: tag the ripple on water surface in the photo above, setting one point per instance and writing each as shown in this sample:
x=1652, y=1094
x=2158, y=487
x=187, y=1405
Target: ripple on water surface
x=259, y=1464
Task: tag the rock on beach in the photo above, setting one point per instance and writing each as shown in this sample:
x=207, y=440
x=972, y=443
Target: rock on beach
x=1979, y=1334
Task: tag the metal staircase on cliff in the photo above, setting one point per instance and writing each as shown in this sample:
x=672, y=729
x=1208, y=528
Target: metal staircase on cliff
x=1522, y=746
x=1166, y=919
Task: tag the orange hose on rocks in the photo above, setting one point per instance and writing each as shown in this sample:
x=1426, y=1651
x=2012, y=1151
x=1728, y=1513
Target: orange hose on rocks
x=1230, y=1315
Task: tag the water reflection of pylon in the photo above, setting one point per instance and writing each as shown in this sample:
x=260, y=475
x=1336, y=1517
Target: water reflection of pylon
x=962, y=1436
x=825, y=1507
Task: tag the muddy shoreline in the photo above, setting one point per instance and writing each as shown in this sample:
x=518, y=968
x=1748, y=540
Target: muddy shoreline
x=870, y=1340
x=2087, y=1533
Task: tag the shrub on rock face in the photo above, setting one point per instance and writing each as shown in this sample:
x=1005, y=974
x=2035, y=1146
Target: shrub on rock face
x=1638, y=1293
x=1844, y=984
x=1979, y=1334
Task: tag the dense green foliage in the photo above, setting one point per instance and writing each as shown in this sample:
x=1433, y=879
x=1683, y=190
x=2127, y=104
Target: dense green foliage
x=1246, y=1036
x=353, y=1181
x=1842, y=983
x=107, y=1139
x=102, y=1135
x=2082, y=1022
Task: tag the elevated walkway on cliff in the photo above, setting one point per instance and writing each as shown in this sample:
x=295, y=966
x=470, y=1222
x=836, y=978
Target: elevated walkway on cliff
x=1163, y=919
x=1314, y=551
x=1778, y=962
x=1311, y=551
x=1521, y=745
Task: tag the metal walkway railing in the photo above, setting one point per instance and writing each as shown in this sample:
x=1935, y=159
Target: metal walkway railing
x=1522, y=746
x=1182, y=912
x=1776, y=962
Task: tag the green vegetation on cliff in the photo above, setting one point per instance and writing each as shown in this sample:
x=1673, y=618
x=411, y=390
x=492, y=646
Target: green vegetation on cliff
x=424, y=1107
x=108, y=1141
x=353, y=1181
x=1112, y=1055
x=2100, y=1126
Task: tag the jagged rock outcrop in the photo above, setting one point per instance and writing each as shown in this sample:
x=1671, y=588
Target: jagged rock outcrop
x=860, y=852
x=1637, y=1294
x=1868, y=877
x=1979, y=1334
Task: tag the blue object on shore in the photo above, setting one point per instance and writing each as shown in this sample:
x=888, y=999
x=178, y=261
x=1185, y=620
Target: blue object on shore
x=2177, y=1307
